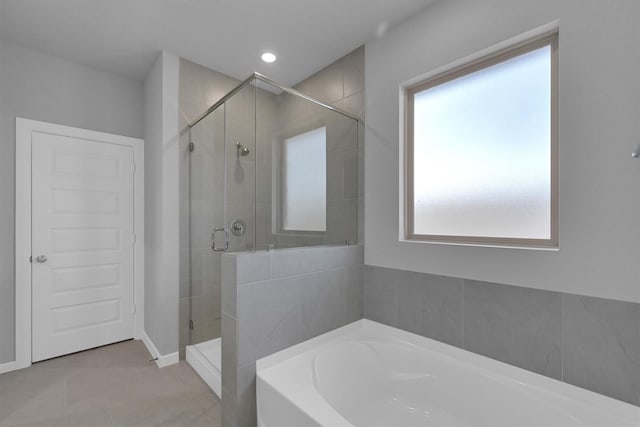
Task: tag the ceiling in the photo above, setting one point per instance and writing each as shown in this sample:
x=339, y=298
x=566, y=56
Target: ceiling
x=125, y=36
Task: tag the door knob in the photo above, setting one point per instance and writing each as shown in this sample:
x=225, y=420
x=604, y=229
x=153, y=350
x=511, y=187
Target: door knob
x=41, y=258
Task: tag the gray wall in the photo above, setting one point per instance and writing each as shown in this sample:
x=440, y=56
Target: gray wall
x=42, y=87
x=590, y=342
x=162, y=213
x=599, y=127
x=273, y=300
x=570, y=314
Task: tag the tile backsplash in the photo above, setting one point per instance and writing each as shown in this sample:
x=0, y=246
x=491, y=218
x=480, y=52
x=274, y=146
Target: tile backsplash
x=589, y=342
x=601, y=346
x=273, y=300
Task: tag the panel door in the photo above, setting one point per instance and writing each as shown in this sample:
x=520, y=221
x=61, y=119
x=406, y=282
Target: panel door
x=82, y=244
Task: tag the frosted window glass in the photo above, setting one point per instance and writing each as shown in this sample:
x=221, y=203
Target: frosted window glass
x=305, y=181
x=482, y=152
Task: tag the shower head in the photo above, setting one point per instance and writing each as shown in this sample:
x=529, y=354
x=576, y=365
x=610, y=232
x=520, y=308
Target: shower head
x=242, y=150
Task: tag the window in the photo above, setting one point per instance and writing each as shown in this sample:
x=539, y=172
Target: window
x=481, y=151
x=304, y=181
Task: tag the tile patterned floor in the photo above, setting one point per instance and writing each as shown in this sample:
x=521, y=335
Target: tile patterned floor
x=111, y=386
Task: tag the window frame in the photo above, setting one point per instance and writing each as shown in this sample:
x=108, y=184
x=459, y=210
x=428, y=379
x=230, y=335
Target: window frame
x=502, y=55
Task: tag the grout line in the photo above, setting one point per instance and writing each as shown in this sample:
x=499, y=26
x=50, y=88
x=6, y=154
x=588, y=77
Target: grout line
x=364, y=292
x=110, y=412
x=249, y=363
x=396, y=302
x=464, y=285
x=227, y=314
x=64, y=391
x=299, y=309
x=343, y=295
x=562, y=336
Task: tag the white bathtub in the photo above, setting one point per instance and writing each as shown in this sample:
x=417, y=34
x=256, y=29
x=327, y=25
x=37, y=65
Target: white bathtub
x=368, y=374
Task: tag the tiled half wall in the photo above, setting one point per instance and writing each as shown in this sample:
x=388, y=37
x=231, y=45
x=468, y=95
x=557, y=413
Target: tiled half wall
x=273, y=300
x=592, y=343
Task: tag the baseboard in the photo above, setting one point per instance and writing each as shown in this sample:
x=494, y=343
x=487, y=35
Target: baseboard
x=161, y=360
x=12, y=366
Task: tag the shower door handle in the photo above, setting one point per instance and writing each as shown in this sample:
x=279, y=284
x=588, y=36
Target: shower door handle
x=213, y=240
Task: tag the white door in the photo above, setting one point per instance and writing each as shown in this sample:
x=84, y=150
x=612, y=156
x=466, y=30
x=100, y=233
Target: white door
x=82, y=244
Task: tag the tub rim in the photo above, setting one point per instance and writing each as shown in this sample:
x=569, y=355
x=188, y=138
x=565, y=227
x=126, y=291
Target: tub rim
x=500, y=370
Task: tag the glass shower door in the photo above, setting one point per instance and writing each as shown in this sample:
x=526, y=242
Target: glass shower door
x=207, y=212
x=222, y=206
x=240, y=186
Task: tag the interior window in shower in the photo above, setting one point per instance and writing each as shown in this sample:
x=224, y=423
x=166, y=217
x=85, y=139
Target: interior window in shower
x=304, y=181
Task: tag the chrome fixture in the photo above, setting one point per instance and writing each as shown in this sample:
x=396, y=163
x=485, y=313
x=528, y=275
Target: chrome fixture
x=635, y=155
x=257, y=76
x=242, y=150
x=238, y=227
x=214, y=248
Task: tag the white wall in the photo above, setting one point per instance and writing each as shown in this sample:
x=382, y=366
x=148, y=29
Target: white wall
x=42, y=87
x=599, y=127
x=162, y=242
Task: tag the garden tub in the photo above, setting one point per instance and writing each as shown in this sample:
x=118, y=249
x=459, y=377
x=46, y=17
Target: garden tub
x=368, y=374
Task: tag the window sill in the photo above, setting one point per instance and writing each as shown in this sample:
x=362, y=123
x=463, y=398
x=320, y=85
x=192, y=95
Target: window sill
x=482, y=245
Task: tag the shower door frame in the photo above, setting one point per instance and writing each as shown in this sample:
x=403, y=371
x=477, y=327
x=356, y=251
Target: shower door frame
x=257, y=76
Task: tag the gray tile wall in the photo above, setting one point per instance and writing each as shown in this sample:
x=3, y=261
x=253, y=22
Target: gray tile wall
x=341, y=85
x=297, y=116
x=200, y=286
x=273, y=300
x=592, y=343
x=601, y=346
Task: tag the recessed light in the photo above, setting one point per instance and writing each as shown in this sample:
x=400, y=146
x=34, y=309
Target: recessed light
x=268, y=57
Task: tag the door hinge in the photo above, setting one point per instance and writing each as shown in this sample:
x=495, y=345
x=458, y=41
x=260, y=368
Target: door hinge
x=30, y=259
x=192, y=147
x=135, y=239
x=134, y=309
x=191, y=324
x=134, y=168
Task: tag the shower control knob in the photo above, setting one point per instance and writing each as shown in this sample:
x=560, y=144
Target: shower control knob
x=41, y=258
x=238, y=228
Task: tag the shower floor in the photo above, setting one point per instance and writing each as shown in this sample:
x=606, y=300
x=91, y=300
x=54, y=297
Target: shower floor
x=206, y=359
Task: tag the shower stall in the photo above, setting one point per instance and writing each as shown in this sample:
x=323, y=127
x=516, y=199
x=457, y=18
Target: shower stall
x=269, y=168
